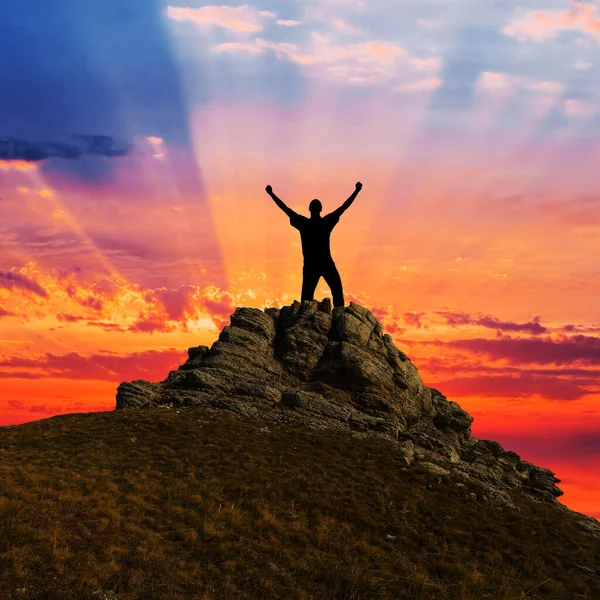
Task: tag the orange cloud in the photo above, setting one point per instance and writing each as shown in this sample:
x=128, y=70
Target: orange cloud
x=381, y=51
x=46, y=193
x=78, y=299
x=19, y=165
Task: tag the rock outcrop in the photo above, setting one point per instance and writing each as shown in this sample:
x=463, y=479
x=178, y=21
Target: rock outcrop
x=338, y=369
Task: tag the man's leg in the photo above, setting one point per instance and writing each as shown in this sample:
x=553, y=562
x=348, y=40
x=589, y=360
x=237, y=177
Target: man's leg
x=310, y=278
x=334, y=281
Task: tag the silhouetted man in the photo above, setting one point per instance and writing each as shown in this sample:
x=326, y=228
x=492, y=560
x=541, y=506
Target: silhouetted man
x=315, y=233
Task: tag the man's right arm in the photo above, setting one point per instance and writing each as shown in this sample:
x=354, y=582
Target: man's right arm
x=288, y=211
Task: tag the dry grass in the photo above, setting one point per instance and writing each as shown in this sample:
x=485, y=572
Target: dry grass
x=199, y=505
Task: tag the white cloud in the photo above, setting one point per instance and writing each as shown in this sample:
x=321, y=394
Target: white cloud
x=342, y=26
x=285, y=50
x=429, y=24
x=425, y=64
x=326, y=11
x=157, y=149
x=419, y=85
x=579, y=108
x=243, y=47
x=288, y=22
x=582, y=65
x=495, y=83
x=544, y=87
x=503, y=84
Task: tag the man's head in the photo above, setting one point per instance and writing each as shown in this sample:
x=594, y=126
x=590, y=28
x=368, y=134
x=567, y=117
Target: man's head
x=315, y=208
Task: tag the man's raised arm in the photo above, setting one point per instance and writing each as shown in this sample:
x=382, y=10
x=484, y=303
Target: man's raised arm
x=338, y=211
x=288, y=211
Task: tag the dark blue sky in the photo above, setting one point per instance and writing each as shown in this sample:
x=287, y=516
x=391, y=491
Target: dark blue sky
x=73, y=66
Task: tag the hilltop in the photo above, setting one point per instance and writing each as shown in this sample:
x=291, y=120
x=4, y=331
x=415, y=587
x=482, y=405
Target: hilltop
x=299, y=457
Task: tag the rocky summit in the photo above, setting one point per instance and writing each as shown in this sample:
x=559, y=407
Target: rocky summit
x=338, y=369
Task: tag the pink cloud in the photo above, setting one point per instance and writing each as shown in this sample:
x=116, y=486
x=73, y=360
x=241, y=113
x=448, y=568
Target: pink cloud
x=149, y=323
x=390, y=319
x=419, y=85
x=181, y=304
x=240, y=18
x=220, y=305
x=177, y=303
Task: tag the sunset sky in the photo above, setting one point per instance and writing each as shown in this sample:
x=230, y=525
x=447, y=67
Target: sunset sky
x=473, y=126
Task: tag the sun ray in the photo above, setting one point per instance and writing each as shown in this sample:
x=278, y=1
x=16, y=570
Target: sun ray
x=61, y=213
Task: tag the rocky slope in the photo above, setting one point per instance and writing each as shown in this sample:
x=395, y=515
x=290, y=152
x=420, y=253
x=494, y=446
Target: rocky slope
x=338, y=369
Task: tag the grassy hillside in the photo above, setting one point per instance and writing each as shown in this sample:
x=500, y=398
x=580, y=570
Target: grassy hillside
x=191, y=504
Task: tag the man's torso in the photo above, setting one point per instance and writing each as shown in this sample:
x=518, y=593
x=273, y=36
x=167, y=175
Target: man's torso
x=315, y=235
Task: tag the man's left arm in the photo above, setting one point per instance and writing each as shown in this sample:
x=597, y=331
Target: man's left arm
x=337, y=213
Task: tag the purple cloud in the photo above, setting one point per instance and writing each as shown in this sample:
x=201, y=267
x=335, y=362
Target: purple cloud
x=6, y=313
x=10, y=280
x=153, y=365
x=413, y=319
x=455, y=319
x=585, y=349
x=522, y=385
